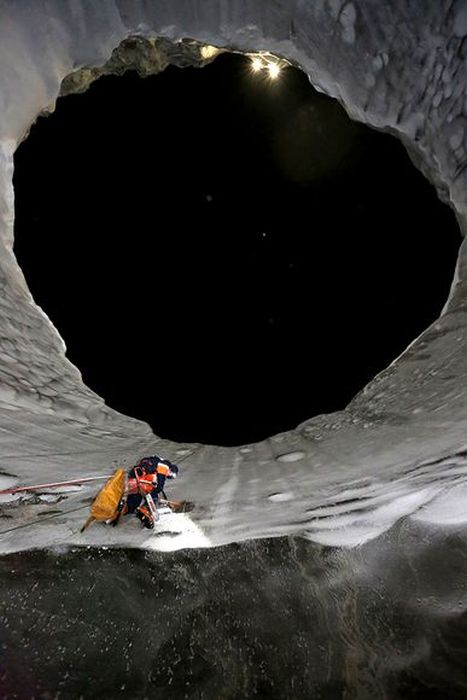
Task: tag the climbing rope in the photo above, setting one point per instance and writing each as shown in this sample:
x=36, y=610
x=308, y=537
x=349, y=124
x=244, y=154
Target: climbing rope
x=41, y=520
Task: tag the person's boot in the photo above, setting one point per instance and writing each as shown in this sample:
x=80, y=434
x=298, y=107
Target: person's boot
x=145, y=516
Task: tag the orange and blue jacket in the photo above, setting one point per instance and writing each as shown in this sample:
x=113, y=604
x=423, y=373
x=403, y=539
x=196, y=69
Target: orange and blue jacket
x=151, y=478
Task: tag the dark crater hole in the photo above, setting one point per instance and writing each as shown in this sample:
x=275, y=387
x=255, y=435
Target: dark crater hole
x=226, y=256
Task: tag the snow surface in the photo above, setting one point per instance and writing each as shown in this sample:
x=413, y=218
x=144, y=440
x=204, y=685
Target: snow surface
x=400, y=447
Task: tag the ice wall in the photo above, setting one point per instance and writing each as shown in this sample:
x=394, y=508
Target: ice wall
x=400, y=447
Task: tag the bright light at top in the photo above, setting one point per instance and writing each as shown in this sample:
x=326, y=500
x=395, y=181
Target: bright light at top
x=274, y=70
x=256, y=64
x=267, y=62
x=209, y=51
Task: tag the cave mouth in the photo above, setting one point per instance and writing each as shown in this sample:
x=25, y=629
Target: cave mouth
x=224, y=255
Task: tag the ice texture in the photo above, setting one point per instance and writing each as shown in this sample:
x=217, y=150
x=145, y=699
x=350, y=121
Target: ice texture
x=400, y=447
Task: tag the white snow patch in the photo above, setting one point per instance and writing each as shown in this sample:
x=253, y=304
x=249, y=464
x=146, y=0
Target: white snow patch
x=180, y=532
x=350, y=529
x=280, y=497
x=449, y=508
x=291, y=456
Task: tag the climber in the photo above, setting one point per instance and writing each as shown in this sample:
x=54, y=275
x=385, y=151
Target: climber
x=147, y=477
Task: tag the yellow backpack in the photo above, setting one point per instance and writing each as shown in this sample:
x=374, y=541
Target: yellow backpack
x=104, y=506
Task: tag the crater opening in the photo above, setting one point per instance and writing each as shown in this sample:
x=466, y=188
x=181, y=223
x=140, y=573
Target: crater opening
x=224, y=254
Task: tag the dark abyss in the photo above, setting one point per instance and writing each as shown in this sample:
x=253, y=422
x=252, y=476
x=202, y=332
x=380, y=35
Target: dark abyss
x=225, y=256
